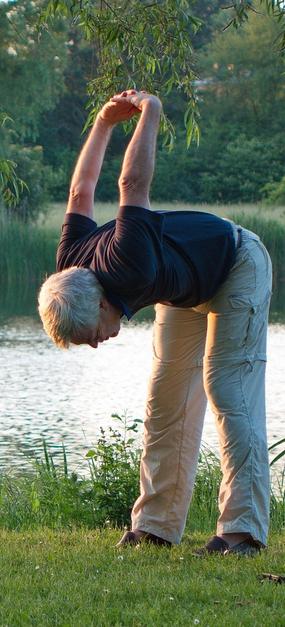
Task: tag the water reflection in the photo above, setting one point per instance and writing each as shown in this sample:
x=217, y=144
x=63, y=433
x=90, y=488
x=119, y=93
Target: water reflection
x=65, y=396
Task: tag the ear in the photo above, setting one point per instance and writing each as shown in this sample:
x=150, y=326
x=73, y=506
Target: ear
x=104, y=304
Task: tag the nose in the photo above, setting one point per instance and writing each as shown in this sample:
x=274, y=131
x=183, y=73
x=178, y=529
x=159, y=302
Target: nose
x=93, y=345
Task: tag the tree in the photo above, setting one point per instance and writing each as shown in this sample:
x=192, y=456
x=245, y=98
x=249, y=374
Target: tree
x=244, y=81
x=31, y=70
x=31, y=65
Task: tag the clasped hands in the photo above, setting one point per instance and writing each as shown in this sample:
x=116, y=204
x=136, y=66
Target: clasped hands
x=124, y=106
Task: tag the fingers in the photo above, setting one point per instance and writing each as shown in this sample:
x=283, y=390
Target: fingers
x=128, y=92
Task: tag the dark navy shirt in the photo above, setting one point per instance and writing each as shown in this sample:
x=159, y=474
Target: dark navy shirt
x=143, y=257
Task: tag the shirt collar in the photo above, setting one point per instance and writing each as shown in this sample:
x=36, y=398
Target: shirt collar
x=117, y=302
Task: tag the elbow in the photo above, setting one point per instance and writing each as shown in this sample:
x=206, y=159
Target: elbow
x=80, y=191
x=132, y=183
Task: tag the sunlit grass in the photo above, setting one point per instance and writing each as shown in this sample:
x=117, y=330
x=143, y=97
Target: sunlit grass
x=103, y=212
x=77, y=578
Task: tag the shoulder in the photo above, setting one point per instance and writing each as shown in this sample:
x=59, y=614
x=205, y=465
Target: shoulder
x=75, y=229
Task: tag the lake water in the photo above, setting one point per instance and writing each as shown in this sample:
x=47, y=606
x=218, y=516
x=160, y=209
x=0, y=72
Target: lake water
x=66, y=396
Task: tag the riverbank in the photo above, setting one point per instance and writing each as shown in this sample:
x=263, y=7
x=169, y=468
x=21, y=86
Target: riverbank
x=77, y=578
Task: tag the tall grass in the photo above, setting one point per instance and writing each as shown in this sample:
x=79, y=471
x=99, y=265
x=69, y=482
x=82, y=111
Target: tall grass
x=27, y=256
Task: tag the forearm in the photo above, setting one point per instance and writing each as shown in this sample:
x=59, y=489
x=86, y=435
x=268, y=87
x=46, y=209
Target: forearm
x=89, y=164
x=138, y=165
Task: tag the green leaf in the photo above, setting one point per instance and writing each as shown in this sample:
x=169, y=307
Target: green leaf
x=282, y=441
x=91, y=453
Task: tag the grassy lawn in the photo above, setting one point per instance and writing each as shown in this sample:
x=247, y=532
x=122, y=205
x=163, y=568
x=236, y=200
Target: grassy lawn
x=78, y=578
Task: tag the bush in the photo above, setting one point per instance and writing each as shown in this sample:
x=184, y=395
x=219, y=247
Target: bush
x=275, y=192
x=114, y=467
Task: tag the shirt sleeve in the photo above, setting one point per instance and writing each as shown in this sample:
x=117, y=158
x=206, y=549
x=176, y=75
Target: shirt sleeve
x=137, y=241
x=129, y=262
x=74, y=229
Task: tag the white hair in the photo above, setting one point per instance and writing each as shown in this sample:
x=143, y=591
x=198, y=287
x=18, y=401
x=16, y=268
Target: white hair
x=69, y=303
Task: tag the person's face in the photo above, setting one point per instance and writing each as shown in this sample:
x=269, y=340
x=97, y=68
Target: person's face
x=108, y=326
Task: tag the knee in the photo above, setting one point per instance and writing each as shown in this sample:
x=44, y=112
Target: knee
x=223, y=389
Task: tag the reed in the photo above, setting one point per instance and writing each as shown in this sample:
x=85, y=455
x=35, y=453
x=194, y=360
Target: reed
x=27, y=256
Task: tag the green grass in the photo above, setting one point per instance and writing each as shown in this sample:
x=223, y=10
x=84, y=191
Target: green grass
x=58, y=567
x=78, y=578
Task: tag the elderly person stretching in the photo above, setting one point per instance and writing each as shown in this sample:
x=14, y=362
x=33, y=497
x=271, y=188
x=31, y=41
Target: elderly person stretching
x=210, y=282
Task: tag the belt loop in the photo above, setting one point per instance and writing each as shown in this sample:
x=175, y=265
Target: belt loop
x=237, y=231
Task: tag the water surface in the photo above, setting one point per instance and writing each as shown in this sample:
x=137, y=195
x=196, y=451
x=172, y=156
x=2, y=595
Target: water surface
x=65, y=396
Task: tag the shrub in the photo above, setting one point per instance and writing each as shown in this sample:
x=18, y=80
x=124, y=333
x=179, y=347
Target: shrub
x=275, y=192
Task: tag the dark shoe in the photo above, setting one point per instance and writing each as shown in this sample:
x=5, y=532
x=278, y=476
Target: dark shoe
x=137, y=536
x=219, y=546
x=215, y=545
x=247, y=547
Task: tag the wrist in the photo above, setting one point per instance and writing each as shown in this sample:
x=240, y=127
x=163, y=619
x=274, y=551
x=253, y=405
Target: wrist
x=100, y=119
x=152, y=103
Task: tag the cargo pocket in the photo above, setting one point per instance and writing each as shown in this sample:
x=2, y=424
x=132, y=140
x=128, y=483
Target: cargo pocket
x=254, y=339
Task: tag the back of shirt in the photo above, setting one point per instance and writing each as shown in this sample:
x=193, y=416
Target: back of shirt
x=144, y=257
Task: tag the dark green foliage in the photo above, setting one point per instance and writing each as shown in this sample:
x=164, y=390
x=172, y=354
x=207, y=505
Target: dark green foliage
x=31, y=67
x=242, y=9
x=275, y=192
x=114, y=468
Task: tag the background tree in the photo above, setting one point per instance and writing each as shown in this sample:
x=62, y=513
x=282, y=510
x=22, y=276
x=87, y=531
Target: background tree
x=31, y=71
x=236, y=77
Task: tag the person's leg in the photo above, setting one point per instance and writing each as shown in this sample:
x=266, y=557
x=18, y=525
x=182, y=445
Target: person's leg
x=235, y=357
x=173, y=426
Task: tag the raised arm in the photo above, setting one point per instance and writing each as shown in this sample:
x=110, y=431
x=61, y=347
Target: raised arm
x=89, y=164
x=138, y=165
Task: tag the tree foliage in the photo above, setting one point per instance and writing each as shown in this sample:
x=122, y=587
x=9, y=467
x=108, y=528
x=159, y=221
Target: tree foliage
x=31, y=65
x=139, y=44
x=242, y=10
x=191, y=52
x=31, y=71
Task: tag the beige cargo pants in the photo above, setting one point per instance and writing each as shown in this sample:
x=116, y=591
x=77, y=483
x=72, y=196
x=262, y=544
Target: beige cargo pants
x=216, y=351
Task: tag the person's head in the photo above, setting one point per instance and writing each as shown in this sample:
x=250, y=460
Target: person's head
x=73, y=308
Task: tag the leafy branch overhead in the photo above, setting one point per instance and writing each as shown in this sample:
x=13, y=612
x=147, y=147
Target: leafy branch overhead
x=242, y=8
x=146, y=44
x=139, y=44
